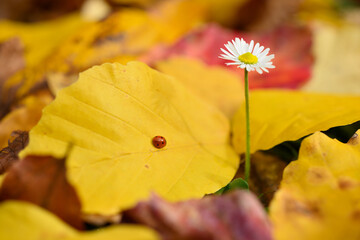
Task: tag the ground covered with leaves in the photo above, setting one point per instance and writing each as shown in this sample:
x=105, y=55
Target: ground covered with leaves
x=118, y=120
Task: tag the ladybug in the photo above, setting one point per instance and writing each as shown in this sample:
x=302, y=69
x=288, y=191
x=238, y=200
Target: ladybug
x=159, y=142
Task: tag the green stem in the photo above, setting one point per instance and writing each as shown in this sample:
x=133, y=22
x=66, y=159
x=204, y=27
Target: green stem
x=247, y=153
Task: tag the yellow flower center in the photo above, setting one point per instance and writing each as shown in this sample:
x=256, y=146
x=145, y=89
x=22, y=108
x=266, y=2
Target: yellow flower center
x=248, y=58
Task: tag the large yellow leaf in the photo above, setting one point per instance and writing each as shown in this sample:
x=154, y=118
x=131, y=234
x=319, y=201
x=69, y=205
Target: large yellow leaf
x=319, y=197
x=277, y=116
x=21, y=220
x=111, y=115
x=214, y=84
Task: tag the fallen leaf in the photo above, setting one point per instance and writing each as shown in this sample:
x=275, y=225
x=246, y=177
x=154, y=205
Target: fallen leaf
x=236, y=216
x=21, y=220
x=277, y=116
x=319, y=193
x=9, y=154
x=331, y=75
x=42, y=180
x=213, y=84
x=111, y=114
x=25, y=116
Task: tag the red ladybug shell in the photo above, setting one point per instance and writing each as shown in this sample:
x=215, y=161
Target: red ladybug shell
x=159, y=142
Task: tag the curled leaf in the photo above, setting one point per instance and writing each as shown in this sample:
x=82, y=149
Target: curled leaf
x=9, y=155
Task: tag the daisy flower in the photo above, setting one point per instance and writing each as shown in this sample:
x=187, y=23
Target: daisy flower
x=247, y=55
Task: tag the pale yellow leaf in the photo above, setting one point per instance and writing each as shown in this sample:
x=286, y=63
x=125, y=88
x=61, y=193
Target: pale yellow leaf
x=337, y=53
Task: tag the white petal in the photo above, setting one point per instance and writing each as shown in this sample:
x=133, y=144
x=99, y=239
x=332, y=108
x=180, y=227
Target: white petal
x=251, y=46
x=265, y=69
x=264, y=53
x=244, y=46
x=227, y=58
x=233, y=63
x=234, y=45
x=259, y=51
x=237, y=46
x=257, y=45
x=228, y=55
x=230, y=49
x=269, y=66
x=259, y=70
x=224, y=51
x=268, y=58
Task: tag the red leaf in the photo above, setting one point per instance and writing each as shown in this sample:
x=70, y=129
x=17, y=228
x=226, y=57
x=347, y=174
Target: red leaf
x=234, y=216
x=42, y=180
x=290, y=44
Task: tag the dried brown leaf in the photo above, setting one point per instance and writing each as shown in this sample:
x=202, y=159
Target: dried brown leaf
x=9, y=154
x=42, y=180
